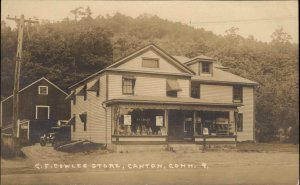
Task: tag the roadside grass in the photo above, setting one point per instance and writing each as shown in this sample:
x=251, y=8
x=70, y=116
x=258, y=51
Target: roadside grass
x=267, y=147
x=78, y=146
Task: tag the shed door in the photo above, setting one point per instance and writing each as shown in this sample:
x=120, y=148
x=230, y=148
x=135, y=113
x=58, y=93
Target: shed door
x=42, y=112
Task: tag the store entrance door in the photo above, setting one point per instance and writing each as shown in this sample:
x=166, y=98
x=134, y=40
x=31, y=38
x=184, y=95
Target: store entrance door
x=188, y=126
x=176, y=125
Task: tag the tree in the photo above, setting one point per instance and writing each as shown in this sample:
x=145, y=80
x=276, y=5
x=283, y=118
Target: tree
x=68, y=51
x=77, y=11
x=280, y=36
x=88, y=12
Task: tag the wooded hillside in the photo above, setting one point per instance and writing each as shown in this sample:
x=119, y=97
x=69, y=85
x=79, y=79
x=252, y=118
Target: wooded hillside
x=69, y=50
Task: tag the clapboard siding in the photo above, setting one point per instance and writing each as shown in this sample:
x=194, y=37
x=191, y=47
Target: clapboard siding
x=136, y=63
x=216, y=93
x=149, y=82
x=109, y=124
x=95, y=113
x=248, y=119
x=185, y=86
x=146, y=85
x=195, y=67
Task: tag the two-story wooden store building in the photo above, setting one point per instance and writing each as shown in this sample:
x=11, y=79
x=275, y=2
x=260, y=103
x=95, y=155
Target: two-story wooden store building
x=41, y=105
x=152, y=97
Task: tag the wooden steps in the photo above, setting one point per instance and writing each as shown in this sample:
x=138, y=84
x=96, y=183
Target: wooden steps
x=184, y=147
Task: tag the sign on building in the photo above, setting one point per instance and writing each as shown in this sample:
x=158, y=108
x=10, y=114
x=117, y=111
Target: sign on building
x=159, y=121
x=127, y=119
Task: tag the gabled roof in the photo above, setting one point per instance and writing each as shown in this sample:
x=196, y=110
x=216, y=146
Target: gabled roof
x=135, y=53
x=203, y=57
x=187, y=61
x=43, y=78
x=200, y=58
x=158, y=50
x=220, y=75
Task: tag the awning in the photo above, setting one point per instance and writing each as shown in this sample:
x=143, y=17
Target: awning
x=83, y=117
x=94, y=87
x=173, y=85
x=70, y=96
x=130, y=77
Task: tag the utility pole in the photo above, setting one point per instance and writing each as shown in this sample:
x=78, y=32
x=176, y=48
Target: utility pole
x=21, y=23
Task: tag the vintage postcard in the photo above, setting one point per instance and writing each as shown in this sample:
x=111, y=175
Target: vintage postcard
x=149, y=92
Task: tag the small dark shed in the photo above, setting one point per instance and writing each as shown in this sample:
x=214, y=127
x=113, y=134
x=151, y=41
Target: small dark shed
x=42, y=103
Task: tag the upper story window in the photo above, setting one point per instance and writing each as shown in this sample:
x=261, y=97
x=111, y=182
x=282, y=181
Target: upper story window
x=172, y=87
x=237, y=94
x=206, y=67
x=172, y=93
x=128, y=85
x=195, y=90
x=43, y=90
x=150, y=62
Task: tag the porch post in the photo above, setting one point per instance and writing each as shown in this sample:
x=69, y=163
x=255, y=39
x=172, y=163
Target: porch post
x=194, y=121
x=115, y=115
x=166, y=121
x=231, y=121
x=235, y=121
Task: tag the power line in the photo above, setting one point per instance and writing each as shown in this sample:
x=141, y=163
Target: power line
x=242, y=20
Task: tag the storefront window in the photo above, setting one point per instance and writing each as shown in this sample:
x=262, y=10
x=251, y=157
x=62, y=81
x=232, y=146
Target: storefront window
x=213, y=123
x=137, y=122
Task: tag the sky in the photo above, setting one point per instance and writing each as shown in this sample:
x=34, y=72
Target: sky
x=257, y=18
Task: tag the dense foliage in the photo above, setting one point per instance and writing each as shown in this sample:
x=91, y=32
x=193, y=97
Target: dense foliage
x=69, y=50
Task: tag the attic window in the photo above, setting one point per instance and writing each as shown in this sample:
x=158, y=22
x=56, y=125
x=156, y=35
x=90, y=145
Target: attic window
x=150, y=62
x=43, y=90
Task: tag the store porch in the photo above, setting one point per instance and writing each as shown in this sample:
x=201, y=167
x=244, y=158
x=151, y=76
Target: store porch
x=166, y=122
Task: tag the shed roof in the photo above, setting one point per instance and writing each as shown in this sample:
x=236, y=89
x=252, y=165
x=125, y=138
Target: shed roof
x=220, y=76
x=169, y=100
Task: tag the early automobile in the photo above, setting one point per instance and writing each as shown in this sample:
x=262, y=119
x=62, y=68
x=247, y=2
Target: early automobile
x=47, y=138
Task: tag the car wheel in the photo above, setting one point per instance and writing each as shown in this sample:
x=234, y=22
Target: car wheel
x=43, y=143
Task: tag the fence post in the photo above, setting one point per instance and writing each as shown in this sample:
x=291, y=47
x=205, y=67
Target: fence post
x=204, y=143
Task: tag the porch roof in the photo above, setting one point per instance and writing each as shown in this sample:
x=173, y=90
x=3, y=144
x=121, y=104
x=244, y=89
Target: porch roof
x=168, y=100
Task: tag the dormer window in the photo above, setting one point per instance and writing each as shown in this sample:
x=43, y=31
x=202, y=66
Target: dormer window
x=205, y=67
x=43, y=90
x=150, y=62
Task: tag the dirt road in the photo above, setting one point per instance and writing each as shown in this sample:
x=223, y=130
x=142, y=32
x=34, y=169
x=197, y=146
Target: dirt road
x=264, y=175
x=224, y=167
